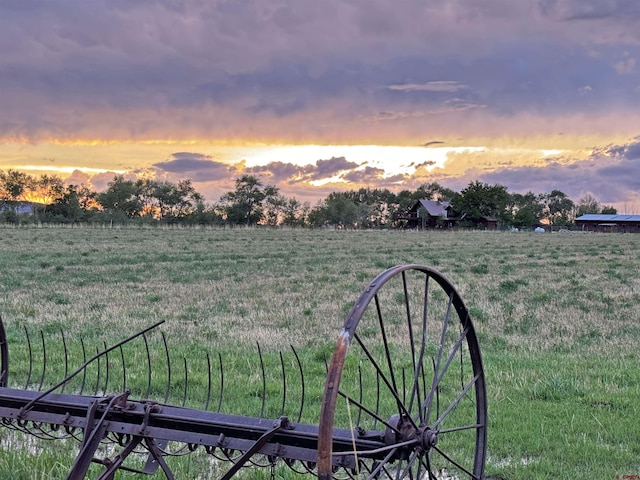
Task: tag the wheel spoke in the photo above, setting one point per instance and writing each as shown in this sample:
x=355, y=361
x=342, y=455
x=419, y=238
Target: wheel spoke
x=402, y=409
x=381, y=465
x=386, y=349
x=409, y=323
x=362, y=407
x=456, y=463
x=417, y=369
x=438, y=377
x=461, y=428
x=456, y=400
x=431, y=475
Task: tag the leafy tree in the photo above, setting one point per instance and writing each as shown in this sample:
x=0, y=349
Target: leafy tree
x=374, y=206
x=176, y=201
x=587, y=204
x=45, y=190
x=608, y=210
x=293, y=213
x=75, y=204
x=337, y=209
x=558, y=208
x=245, y=205
x=274, y=210
x=122, y=198
x=526, y=210
x=14, y=187
x=480, y=200
x=433, y=191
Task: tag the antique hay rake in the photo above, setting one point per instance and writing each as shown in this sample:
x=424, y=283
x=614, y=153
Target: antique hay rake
x=404, y=397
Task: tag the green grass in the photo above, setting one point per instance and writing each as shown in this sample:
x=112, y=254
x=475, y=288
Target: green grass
x=557, y=315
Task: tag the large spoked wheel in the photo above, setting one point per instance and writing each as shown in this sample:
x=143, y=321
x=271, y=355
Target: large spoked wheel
x=406, y=372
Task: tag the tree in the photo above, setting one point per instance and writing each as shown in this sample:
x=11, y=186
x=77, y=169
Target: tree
x=274, y=210
x=526, y=210
x=558, y=208
x=176, y=201
x=245, y=205
x=433, y=191
x=74, y=204
x=293, y=213
x=13, y=185
x=337, y=210
x=609, y=210
x=122, y=198
x=480, y=200
x=587, y=204
x=45, y=191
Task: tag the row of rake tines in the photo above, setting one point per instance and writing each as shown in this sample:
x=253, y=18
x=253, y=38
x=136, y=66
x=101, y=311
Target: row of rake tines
x=103, y=358
x=105, y=383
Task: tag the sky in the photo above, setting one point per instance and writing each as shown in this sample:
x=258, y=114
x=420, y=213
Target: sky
x=320, y=96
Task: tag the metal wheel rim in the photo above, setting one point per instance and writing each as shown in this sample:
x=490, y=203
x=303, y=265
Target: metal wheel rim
x=419, y=462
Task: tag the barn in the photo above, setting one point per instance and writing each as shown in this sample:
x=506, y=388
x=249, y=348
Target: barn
x=430, y=214
x=592, y=222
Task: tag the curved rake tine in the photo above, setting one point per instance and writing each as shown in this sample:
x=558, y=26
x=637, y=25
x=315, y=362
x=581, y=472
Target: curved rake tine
x=95, y=392
x=84, y=361
x=461, y=363
x=4, y=356
x=168, y=357
x=375, y=419
x=124, y=371
x=284, y=384
x=435, y=374
x=404, y=386
x=264, y=380
x=359, y=395
x=106, y=361
x=26, y=332
x=221, y=382
x=186, y=381
x=44, y=360
x=84, y=366
x=66, y=357
x=206, y=405
x=146, y=346
x=295, y=354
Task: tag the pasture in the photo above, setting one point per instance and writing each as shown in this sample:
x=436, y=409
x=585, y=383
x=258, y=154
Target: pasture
x=557, y=315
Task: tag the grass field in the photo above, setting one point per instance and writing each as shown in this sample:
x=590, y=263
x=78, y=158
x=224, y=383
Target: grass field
x=558, y=318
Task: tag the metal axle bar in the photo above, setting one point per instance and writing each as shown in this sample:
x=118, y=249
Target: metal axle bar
x=151, y=421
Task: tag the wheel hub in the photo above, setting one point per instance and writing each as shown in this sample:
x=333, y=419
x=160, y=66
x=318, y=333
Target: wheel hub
x=401, y=430
x=428, y=438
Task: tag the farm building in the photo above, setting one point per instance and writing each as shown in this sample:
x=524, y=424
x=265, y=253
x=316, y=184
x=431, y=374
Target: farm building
x=592, y=222
x=430, y=214
x=489, y=223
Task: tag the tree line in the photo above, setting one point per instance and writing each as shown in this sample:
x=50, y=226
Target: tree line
x=28, y=199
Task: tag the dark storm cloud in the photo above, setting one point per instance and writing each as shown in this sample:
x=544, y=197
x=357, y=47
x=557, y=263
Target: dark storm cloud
x=365, y=175
x=612, y=175
x=277, y=172
x=590, y=9
x=225, y=68
x=328, y=168
x=374, y=178
x=194, y=165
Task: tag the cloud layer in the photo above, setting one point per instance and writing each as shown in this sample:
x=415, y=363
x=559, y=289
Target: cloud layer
x=334, y=70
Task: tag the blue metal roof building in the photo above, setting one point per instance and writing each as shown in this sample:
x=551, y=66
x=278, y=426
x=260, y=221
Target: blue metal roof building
x=598, y=222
